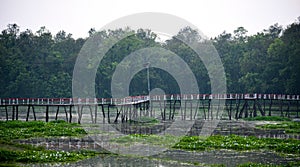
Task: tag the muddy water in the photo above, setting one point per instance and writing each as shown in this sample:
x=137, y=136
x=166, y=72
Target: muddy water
x=225, y=157
x=118, y=161
x=176, y=158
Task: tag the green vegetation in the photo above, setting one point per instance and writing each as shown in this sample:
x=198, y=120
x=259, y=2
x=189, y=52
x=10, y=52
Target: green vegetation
x=23, y=130
x=35, y=64
x=267, y=118
x=144, y=120
x=12, y=152
x=250, y=164
x=288, y=127
x=40, y=64
x=234, y=142
x=164, y=140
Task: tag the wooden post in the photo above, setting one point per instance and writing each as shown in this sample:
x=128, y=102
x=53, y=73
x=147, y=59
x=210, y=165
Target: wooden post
x=196, y=110
x=108, y=117
x=66, y=112
x=230, y=109
x=141, y=109
x=57, y=112
x=28, y=109
x=17, y=112
x=191, y=114
x=164, y=117
x=118, y=113
x=262, y=111
x=151, y=108
x=288, y=109
x=218, y=108
x=209, y=113
x=227, y=108
x=13, y=112
x=91, y=112
x=103, y=113
x=264, y=107
x=184, y=111
x=128, y=108
x=170, y=110
x=126, y=113
x=270, y=107
x=79, y=114
x=33, y=112
x=123, y=115
x=203, y=106
x=70, y=120
x=281, y=108
x=243, y=108
x=96, y=110
x=47, y=113
x=254, y=108
x=297, y=108
x=237, y=108
x=130, y=111
x=7, y=113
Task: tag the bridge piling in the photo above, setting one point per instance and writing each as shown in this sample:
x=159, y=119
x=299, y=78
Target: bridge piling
x=188, y=107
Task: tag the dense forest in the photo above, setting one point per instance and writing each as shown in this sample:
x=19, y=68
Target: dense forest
x=41, y=64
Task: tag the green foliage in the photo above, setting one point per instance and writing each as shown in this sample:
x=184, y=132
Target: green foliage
x=12, y=153
x=43, y=156
x=32, y=65
x=267, y=118
x=144, y=120
x=10, y=130
x=41, y=64
x=262, y=63
x=163, y=140
x=288, y=127
x=234, y=142
x=250, y=164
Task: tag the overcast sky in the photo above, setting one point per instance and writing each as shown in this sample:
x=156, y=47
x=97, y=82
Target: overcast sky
x=212, y=17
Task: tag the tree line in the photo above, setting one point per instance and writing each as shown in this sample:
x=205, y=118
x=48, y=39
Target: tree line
x=41, y=64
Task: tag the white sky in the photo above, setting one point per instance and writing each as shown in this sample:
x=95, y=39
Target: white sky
x=212, y=17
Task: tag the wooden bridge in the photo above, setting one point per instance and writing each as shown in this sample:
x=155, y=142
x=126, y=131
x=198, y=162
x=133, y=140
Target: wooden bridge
x=163, y=107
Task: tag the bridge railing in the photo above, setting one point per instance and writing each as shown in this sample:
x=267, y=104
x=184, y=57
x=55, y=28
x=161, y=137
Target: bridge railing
x=224, y=96
x=71, y=101
x=137, y=99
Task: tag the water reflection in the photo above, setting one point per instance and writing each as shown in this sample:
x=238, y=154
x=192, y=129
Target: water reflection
x=125, y=162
